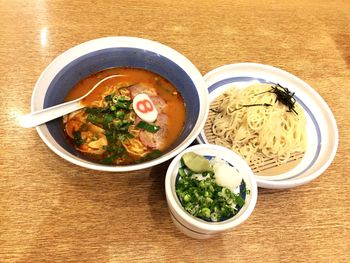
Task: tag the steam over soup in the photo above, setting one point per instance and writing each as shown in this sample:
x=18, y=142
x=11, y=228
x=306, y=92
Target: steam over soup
x=109, y=130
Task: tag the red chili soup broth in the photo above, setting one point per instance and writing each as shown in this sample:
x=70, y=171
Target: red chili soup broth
x=173, y=110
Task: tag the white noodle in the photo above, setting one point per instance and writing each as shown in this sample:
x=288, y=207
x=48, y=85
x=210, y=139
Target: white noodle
x=258, y=132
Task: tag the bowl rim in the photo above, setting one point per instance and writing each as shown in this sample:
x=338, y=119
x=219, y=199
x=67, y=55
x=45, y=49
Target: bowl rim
x=201, y=224
x=230, y=70
x=37, y=99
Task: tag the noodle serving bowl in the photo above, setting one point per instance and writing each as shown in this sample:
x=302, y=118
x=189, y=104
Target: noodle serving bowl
x=96, y=55
x=321, y=128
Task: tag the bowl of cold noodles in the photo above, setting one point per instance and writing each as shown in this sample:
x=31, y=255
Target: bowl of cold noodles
x=209, y=190
x=150, y=103
x=274, y=120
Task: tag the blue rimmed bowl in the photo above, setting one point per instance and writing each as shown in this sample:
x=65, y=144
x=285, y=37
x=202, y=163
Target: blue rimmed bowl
x=196, y=227
x=90, y=57
x=321, y=127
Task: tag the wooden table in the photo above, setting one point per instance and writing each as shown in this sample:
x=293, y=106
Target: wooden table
x=54, y=211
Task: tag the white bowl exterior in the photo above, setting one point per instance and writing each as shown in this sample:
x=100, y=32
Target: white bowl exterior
x=326, y=120
x=68, y=56
x=197, y=225
x=188, y=232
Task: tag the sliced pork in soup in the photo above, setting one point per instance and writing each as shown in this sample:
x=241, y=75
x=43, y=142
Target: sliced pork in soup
x=110, y=131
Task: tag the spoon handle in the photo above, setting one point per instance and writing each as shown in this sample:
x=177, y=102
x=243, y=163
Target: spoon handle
x=39, y=117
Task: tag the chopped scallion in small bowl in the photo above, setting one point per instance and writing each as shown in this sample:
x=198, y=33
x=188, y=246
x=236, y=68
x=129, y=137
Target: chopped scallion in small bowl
x=204, y=196
x=209, y=189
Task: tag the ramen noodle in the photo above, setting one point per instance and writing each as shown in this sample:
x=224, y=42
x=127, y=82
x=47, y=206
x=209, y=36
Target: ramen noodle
x=257, y=124
x=109, y=131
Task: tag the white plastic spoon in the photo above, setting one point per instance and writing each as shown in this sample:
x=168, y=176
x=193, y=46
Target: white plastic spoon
x=42, y=116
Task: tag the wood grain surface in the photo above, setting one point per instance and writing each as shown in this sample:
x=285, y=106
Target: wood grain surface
x=54, y=211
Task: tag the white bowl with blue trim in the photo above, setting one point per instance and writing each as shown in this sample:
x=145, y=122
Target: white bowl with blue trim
x=99, y=54
x=196, y=227
x=322, y=132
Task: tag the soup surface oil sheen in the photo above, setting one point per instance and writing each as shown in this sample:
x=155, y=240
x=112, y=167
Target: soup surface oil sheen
x=108, y=130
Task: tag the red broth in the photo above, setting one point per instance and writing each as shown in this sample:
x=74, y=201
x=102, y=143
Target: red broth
x=88, y=127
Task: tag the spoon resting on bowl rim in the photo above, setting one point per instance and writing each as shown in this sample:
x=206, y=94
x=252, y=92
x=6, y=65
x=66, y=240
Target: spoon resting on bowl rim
x=37, y=118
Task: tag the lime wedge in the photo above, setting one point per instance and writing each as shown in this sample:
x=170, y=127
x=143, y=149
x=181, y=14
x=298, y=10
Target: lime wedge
x=196, y=163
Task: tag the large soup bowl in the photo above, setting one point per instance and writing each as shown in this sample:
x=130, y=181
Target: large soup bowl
x=90, y=57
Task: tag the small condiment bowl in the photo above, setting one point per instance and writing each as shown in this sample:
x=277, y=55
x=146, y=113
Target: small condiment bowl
x=198, y=228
